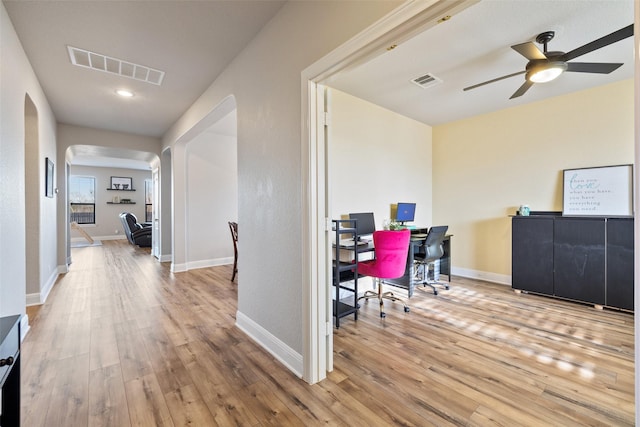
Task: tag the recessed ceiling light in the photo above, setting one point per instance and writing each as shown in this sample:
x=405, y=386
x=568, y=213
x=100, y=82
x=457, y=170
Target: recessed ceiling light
x=125, y=93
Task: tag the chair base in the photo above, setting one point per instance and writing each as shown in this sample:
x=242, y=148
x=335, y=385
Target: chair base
x=432, y=284
x=381, y=296
x=428, y=282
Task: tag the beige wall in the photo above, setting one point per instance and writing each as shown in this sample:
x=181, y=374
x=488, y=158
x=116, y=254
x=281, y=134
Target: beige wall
x=377, y=158
x=486, y=166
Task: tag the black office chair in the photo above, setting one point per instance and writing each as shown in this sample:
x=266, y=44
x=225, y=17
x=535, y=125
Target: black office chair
x=428, y=252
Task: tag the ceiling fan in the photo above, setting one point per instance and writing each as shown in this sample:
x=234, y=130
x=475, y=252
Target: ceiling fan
x=544, y=66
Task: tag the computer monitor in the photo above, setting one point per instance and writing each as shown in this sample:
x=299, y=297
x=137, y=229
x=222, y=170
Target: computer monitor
x=365, y=224
x=406, y=212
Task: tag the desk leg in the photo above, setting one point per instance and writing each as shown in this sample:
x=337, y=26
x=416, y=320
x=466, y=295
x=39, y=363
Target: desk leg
x=445, y=261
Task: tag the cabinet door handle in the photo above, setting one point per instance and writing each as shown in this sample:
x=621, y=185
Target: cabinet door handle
x=7, y=361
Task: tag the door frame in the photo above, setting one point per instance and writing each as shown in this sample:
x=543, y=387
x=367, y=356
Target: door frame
x=400, y=25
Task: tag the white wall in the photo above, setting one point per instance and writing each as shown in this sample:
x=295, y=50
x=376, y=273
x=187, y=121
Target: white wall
x=486, y=166
x=266, y=81
x=212, y=185
x=376, y=159
x=17, y=79
x=108, y=224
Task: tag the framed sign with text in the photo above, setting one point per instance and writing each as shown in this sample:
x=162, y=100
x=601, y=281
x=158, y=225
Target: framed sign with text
x=598, y=191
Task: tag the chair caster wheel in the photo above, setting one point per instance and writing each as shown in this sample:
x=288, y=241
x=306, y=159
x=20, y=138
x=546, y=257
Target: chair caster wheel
x=435, y=292
x=447, y=287
x=383, y=314
x=407, y=309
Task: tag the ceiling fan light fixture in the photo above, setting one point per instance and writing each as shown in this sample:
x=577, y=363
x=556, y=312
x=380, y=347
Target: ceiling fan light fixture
x=545, y=72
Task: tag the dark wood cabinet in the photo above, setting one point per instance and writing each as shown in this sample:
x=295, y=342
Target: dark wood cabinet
x=619, y=261
x=532, y=254
x=587, y=259
x=578, y=259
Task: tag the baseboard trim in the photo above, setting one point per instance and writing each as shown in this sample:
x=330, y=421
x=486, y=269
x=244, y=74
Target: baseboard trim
x=40, y=297
x=501, y=279
x=178, y=268
x=112, y=237
x=278, y=349
x=165, y=258
x=192, y=265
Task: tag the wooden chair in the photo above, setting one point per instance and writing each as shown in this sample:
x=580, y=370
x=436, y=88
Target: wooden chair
x=233, y=226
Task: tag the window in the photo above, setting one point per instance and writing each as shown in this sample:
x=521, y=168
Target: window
x=82, y=190
x=148, y=201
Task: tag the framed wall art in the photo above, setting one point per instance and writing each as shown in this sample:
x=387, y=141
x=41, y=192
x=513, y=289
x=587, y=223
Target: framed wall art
x=48, y=177
x=121, y=183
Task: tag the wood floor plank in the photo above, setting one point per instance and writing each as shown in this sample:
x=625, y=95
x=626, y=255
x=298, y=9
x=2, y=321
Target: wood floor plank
x=188, y=409
x=147, y=405
x=123, y=341
x=108, y=405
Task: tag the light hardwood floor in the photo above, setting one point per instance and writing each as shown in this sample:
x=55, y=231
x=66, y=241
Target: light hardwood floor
x=122, y=341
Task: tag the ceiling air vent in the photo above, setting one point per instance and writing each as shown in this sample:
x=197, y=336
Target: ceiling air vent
x=427, y=80
x=107, y=64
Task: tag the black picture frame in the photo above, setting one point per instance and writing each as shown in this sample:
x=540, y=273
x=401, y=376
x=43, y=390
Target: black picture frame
x=121, y=183
x=48, y=177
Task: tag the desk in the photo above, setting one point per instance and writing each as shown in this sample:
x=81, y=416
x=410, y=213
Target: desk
x=408, y=280
x=10, y=371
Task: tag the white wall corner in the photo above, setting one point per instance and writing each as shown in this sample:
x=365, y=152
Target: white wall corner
x=278, y=349
x=178, y=268
x=501, y=279
x=24, y=326
x=41, y=297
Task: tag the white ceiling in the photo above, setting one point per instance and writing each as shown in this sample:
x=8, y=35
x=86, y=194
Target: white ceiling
x=475, y=46
x=192, y=42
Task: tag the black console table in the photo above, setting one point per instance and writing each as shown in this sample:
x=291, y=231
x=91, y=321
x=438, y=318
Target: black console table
x=586, y=259
x=10, y=371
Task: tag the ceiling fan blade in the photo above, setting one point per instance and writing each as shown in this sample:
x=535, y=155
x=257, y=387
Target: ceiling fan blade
x=493, y=80
x=593, y=67
x=529, y=50
x=522, y=89
x=616, y=36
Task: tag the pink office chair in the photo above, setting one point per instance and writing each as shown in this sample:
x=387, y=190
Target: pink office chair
x=391, y=249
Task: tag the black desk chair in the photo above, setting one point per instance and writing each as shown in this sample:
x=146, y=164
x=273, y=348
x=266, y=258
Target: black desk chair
x=428, y=252
x=136, y=233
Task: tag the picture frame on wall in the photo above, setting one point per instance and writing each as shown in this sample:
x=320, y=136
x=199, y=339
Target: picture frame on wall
x=48, y=177
x=121, y=183
x=598, y=191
